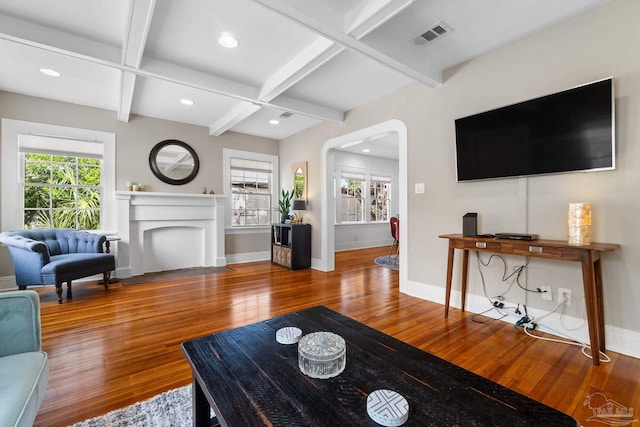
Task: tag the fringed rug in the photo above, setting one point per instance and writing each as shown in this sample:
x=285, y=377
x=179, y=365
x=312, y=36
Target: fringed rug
x=389, y=261
x=169, y=409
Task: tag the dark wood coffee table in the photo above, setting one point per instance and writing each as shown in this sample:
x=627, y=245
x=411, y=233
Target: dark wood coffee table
x=249, y=379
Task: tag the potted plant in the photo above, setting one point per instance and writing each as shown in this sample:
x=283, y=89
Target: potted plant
x=285, y=205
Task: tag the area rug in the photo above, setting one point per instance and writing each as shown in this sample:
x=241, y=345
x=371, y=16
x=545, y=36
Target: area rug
x=169, y=409
x=172, y=274
x=389, y=261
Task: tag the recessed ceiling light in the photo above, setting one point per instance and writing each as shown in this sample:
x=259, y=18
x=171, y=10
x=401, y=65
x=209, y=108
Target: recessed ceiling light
x=186, y=102
x=365, y=150
x=274, y=122
x=228, y=41
x=49, y=72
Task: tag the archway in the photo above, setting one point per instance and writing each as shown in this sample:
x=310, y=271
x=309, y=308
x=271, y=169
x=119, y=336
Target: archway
x=327, y=245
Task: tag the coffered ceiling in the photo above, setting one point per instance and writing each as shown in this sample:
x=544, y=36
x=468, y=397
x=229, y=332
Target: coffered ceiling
x=299, y=62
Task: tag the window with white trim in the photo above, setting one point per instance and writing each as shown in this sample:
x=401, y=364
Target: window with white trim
x=379, y=198
x=251, y=185
x=61, y=191
x=352, y=195
x=59, y=170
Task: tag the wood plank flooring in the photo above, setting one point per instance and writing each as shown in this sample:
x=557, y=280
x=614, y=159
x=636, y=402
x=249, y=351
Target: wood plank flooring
x=109, y=349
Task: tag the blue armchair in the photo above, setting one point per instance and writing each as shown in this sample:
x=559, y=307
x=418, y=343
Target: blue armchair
x=24, y=367
x=53, y=256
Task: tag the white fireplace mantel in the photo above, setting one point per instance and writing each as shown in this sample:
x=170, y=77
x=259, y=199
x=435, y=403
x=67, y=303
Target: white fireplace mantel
x=166, y=231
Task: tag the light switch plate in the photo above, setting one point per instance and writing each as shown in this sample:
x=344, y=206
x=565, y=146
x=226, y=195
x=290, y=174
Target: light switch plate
x=420, y=188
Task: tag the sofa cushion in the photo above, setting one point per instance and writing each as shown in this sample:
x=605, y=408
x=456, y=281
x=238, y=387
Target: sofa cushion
x=74, y=266
x=23, y=383
x=19, y=323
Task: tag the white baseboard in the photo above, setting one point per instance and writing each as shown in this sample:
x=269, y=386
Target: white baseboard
x=8, y=283
x=623, y=341
x=123, y=273
x=248, y=257
x=361, y=245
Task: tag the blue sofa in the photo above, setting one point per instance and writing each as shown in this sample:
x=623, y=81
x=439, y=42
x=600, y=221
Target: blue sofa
x=53, y=256
x=24, y=367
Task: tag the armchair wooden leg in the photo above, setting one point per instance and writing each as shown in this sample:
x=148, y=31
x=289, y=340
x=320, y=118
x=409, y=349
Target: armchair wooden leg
x=59, y=292
x=69, y=295
x=106, y=276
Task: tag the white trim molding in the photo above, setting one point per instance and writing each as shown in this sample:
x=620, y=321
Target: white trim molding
x=624, y=341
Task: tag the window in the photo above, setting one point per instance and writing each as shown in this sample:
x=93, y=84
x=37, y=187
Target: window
x=251, y=186
x=65, y=177
x=61, y=191
x=380, y=198
x=352, y=197
x=363, y=196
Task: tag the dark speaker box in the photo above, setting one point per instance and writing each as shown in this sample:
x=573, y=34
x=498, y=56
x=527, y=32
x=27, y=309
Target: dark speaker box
x=470, y=224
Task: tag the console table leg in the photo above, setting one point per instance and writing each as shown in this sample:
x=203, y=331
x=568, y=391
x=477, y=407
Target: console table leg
x=590, y=295
x=599, y=302
x=447, y=295
x=463, y=280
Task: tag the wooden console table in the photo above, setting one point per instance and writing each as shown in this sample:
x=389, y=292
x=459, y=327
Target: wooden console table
x=587, y=255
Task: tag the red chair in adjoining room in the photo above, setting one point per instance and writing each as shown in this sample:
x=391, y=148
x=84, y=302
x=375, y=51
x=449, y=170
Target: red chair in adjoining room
x=395, y=233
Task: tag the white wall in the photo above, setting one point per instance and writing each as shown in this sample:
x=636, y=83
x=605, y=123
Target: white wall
x=560, y=57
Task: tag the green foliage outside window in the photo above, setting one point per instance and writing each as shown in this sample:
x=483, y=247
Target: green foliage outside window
x=61, y=191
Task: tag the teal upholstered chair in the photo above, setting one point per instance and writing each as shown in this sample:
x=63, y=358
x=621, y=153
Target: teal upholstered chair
x=24, y=367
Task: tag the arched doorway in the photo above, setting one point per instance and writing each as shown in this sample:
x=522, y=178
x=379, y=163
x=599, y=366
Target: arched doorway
x=394, y=126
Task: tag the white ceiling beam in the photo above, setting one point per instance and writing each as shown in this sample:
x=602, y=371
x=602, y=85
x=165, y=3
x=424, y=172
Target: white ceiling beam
x=198, y=80
x=232, y=118
x=127, y=85
x=139, y=22
x=369, y=15
x=45, y=38
x=184, y=76
x=134, y=40
x=420, y=71
x=312, y=57
x=361, y=21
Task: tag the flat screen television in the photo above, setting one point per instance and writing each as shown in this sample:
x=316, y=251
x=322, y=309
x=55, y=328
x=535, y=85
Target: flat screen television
x=568, y=131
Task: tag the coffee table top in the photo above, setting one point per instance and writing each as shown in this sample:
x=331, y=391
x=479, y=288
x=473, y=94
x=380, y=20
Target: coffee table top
x=250, y=379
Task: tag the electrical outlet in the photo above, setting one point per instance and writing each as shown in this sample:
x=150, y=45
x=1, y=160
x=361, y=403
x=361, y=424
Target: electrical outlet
x=564, y=296
x=547, y=295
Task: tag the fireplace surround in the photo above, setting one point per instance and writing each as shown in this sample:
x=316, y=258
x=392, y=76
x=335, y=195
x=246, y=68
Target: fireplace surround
x=167, y=231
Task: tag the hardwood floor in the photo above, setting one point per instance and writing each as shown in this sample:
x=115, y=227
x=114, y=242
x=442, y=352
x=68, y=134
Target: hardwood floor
x=109, y=349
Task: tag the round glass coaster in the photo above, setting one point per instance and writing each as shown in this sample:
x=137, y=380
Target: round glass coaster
x=388, y=408
x=322, y=355
x=288, y=335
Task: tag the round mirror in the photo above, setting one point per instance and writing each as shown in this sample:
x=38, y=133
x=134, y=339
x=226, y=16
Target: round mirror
x=174, y=162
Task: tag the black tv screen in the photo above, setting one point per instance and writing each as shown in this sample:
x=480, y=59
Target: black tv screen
x=567, y=131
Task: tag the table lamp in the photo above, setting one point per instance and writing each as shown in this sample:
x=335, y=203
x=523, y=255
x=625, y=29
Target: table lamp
x=579, y=222
x=299, y=205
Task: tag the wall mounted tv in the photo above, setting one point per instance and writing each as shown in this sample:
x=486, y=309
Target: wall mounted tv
x=568, y=131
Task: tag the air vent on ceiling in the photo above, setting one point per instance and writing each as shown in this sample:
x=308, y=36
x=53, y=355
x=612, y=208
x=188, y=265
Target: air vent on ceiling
x=437, y=31
x=286, y=115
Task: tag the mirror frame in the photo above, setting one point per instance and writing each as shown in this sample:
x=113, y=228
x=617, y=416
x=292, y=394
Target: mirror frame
x=162, y=177
x=294, y=168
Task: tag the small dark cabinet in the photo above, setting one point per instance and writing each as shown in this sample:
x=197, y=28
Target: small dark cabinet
x=291, y=245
